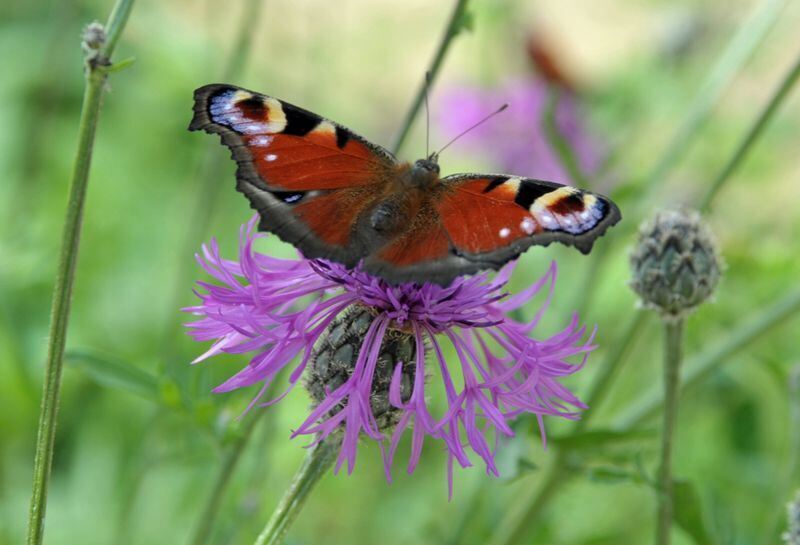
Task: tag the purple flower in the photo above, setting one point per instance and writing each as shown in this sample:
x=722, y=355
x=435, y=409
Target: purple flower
x=516, y=141
x=296, y=313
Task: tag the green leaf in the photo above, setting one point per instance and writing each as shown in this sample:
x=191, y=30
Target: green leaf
x=688, y=512
x=466, y=22
x=119, y=65
x=169, y=393
x=113, y=373
x=612, y=475
x=598, y=438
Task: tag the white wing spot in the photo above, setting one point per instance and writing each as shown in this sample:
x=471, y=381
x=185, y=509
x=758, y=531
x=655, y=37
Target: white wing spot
x=262, y=141
x=504, y=232
x=528, y=226
x=270, y=157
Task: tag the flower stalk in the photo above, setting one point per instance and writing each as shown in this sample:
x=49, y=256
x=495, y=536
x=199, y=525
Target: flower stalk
x=230, y=459
x=457, y=23
x=317, y=462
x=559, y=143
x=753, y=134
x=673, y=334
x=99, y=44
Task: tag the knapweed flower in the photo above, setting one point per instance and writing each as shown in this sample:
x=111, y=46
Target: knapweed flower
x=370, y=352
x=517, y=142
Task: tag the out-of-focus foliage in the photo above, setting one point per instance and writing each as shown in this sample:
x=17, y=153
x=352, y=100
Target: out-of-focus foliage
x=140, y=437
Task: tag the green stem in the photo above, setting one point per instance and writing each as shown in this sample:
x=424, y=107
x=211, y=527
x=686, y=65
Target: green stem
x=96, y=76
x=701, y=366
x=673, y=336
x=752, y=135
x=791, y=473
x=318, y=460
x=454, y=26
x=519, y=523
x=738, y=51
x=609, y=368
x=208, y=516
x=560, y=144
x=207, y=175
x=240, y=54
x=513, y=529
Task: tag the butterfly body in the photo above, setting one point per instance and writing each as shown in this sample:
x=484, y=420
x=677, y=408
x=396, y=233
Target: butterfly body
x=335, y=195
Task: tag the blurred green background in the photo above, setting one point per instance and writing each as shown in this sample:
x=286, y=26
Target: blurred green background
x=141, y=439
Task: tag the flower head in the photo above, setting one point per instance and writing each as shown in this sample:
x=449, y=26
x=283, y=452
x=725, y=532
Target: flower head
x=675, y=264
x=370, y=350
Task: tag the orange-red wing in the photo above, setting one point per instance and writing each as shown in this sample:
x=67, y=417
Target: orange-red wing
x=285, y=148
x=425, y=242
x=492, y=218
x=308, y=178
x=332, y=215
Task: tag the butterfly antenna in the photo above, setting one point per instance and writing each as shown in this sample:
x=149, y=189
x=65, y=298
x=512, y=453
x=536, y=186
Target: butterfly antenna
x=427, y=114
x=462, y=133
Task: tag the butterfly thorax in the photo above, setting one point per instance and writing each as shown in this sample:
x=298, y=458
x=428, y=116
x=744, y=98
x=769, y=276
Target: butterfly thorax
x=423, y=174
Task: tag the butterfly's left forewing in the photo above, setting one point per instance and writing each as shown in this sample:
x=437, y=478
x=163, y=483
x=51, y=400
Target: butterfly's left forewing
x=490, y=219
x=308, y=177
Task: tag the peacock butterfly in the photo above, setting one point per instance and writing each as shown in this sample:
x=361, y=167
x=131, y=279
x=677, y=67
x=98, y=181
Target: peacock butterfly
x=334, y=195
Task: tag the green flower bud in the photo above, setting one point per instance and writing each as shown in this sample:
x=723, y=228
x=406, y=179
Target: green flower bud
x=675, y=264
x=334, y=358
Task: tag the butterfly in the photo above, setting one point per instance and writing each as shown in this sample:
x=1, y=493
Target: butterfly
x=335, y=195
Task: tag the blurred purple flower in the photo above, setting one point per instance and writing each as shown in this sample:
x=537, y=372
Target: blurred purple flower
x=277, y=309
x=516, y=141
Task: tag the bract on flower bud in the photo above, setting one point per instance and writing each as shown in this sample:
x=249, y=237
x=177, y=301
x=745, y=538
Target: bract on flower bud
x=675, y=264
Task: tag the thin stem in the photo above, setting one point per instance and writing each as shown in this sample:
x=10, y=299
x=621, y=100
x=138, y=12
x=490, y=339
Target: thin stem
x=318, y=460
x=560, y=144
x=609, y=368
x=233, y=454
x=738, y=51
x=454, y=26
x=791, y=473
x=518, y=523
x=515, y=527
x=673, y=336
x=697, y=369
x=701, y=366
x=207, y=181
x=96, y=76
x=752, y=135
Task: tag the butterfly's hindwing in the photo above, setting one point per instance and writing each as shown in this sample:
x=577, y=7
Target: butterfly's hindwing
x=494, y=217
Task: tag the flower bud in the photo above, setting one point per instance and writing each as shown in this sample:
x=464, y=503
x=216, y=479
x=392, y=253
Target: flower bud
x=675, y=264
x=336, y=353
x=94, y=37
